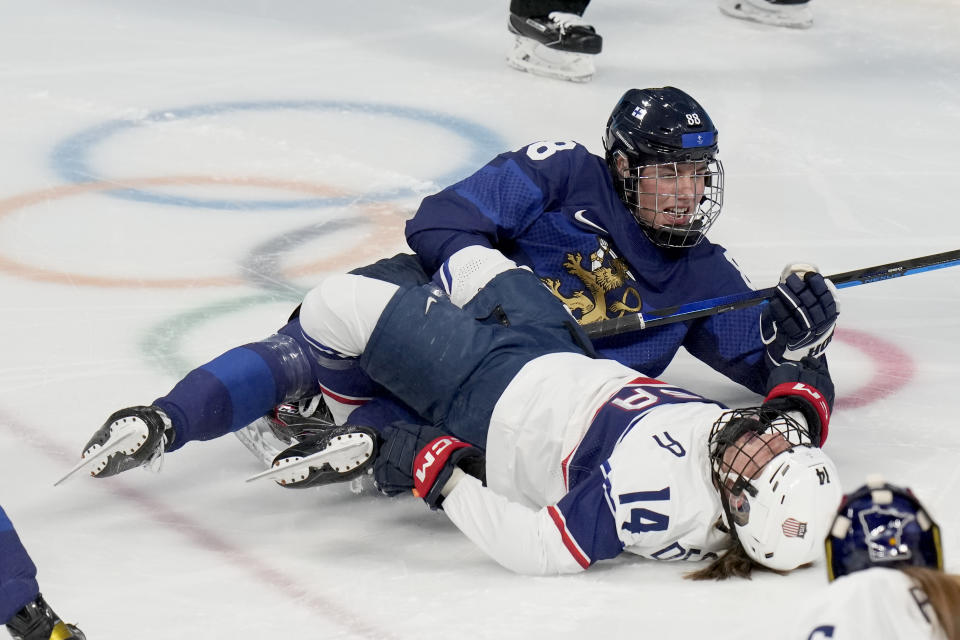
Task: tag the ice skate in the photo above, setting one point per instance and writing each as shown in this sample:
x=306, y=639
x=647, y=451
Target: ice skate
x=531, y=56
x=333, y=455
x=558, y=46
x=288, y=423
x=560, y=31
x=781, y=13
x=130, y=437
x=37, y=621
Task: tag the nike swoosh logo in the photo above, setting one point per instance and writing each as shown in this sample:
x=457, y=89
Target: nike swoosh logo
x=582, y=219
x=430, y=301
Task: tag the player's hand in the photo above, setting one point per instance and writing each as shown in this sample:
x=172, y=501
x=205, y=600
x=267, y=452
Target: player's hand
x=434, y=466
x=806, y=387
x=402, y=444
x=800, y=320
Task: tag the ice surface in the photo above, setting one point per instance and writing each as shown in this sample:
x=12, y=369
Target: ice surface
x=176, y=174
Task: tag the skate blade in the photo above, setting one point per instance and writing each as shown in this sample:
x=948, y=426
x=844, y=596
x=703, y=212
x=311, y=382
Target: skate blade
x=343, y=455
x=537, y=59
x=100, y=454
x=792, y=18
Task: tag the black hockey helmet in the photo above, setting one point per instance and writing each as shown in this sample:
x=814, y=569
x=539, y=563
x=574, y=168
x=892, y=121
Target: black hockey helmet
x=664, y=126
x=882, y=525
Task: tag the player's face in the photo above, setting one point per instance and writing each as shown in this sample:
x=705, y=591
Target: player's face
x=746, y=458
x=751, y=452
x=669, y=194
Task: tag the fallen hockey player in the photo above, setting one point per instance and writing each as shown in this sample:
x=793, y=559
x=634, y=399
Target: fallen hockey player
x=547, y=458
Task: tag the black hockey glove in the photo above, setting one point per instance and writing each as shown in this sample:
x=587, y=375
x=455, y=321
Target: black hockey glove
x=799, y=321
x=806, y=387
x=401, y=448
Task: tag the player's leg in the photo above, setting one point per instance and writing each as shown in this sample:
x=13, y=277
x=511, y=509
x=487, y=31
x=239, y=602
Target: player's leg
x=412, y=341
x=343, y=386
x=22, y=608
x=217, y=398
x=436, y=358
x=448, y=367
x=247, y=382
x=18, y=580
x=533, y=8
x=470, y=278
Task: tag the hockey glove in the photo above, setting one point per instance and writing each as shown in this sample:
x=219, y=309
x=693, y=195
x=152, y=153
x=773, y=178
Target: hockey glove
x=799, y=321
x=805, y=387
x=435, y=463
x=402, y=444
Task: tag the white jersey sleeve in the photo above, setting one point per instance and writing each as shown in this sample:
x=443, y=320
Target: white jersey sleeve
x=877, y=603
x=521, y=539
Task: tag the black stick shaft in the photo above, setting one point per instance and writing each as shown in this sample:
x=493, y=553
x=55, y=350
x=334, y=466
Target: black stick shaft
x=713, y=306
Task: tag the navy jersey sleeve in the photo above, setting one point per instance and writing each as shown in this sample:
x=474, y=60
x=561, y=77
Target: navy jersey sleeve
x=729, y=342
x=498, y=203
x=586, y=521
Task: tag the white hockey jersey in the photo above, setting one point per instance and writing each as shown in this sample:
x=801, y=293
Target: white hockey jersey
x=880, y=604
x=587, y=459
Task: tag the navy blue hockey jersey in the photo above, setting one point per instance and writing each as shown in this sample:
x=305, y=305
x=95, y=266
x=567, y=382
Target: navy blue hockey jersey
x=552, y=206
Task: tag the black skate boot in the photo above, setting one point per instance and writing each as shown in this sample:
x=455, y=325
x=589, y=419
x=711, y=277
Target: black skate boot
x=130, y=438
x=337, y=454
x=295, y=421
x=287, y=424
x=37, y=621
x=561, y=31
x=558, y=46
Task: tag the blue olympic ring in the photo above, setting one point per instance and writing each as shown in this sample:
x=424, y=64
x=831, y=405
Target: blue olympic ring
x=70, y=158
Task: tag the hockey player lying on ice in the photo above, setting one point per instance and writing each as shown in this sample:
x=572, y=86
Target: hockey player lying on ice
x=584, y=457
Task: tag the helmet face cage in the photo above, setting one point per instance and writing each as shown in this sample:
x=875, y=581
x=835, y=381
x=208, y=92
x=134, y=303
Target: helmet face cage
x=661, y=149
x=882, y=525
x=742, y=442
x=675, y=203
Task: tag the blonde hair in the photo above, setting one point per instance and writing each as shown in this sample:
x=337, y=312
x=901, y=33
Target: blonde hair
x=943, y=591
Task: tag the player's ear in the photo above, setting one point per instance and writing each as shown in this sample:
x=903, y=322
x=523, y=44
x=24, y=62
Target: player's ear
x=623, y=165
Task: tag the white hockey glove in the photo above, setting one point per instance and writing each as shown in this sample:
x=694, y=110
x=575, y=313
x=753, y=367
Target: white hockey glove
x=799, y=321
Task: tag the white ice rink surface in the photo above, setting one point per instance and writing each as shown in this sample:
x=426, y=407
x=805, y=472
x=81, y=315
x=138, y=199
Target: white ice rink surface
x=175, y=174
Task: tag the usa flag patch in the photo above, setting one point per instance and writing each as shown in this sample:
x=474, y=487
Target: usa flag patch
x=794, y=528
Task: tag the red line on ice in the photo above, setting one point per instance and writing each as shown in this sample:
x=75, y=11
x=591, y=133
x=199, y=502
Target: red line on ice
x=893, y=368
x=204, y=538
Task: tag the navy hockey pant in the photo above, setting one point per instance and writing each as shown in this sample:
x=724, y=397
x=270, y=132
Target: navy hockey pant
x=451, y=365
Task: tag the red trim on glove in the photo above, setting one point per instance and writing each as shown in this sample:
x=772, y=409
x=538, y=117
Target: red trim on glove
x=811, y=396
x=431, y=460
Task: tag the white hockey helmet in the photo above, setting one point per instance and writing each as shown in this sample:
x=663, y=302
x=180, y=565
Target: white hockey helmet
x=797, y=496
x=779, y=491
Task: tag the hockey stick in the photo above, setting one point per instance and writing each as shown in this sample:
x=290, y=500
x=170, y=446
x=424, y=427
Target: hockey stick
x=713, y=306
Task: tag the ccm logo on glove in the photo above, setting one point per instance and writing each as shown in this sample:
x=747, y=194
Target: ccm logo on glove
x=431, y=460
